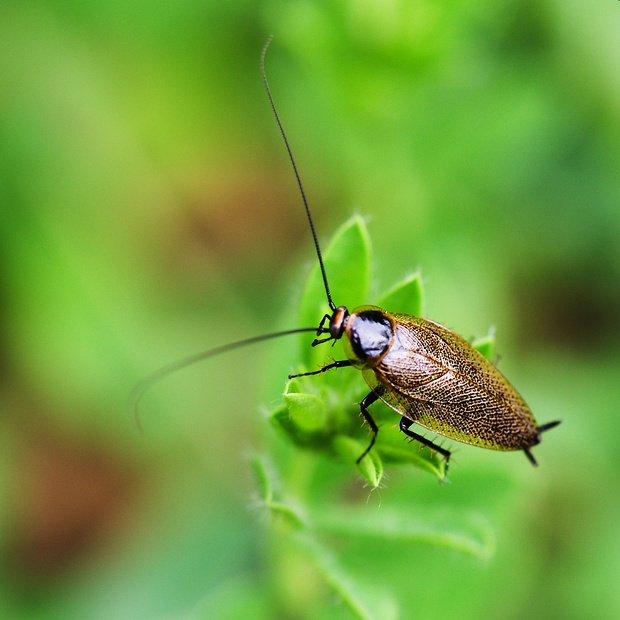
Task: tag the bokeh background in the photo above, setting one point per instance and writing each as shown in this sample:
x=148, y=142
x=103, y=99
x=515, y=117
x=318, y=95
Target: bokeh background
x=148, y=210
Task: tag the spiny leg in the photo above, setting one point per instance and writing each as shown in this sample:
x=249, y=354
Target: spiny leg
x=405, y=427
x=369, y=400
x=336, y=364
x=366, y=402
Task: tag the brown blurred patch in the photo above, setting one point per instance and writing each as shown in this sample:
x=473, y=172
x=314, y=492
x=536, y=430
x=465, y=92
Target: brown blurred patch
x=574, y=307
x=73, y=496
x=245, y=222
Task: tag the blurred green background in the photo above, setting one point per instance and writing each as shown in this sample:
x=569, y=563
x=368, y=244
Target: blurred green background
x=149, y=211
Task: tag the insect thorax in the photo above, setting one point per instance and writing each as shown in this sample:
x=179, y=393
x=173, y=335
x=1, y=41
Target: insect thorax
x=369, y=334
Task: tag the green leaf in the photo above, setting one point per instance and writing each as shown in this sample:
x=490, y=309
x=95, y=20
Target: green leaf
x=281, y=419
x=469, y=534
x=349, y=450
x=263, y=479
x=407, y=297
x=287, y=514
x=347, y=264
x=307, y=411
x=303, y=417
x=343, y=584
x=409, y=453
x=486, y=345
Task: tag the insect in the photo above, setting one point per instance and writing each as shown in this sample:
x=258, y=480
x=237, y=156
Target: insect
x=426, y=373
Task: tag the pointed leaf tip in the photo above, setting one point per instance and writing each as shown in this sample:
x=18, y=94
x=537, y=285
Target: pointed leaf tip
x=347, y=267
x=406, y=297
x=349, y=450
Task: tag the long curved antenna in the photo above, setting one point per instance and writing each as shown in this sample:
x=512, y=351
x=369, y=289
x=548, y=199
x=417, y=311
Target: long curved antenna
x=150, y=380
x=332, y=305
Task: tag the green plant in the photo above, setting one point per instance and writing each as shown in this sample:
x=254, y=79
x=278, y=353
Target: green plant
x=301, y=487
x=322, y=413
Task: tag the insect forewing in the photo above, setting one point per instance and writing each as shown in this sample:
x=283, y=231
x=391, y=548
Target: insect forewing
x=438, y=380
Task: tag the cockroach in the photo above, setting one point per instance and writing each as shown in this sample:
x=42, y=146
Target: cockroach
x=425, y=372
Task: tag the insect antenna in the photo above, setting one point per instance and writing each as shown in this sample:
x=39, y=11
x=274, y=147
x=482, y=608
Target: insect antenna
x=332, y=305
x=145, y=384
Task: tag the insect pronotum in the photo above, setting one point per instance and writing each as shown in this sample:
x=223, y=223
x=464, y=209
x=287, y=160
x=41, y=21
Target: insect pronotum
x=426, y=373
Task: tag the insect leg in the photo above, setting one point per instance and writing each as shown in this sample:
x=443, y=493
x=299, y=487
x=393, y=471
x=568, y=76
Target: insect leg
x=541, y=429
x=405, y=427
x=321, y=329
x=336, y=364
x=369, y=400
x=530, y=456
